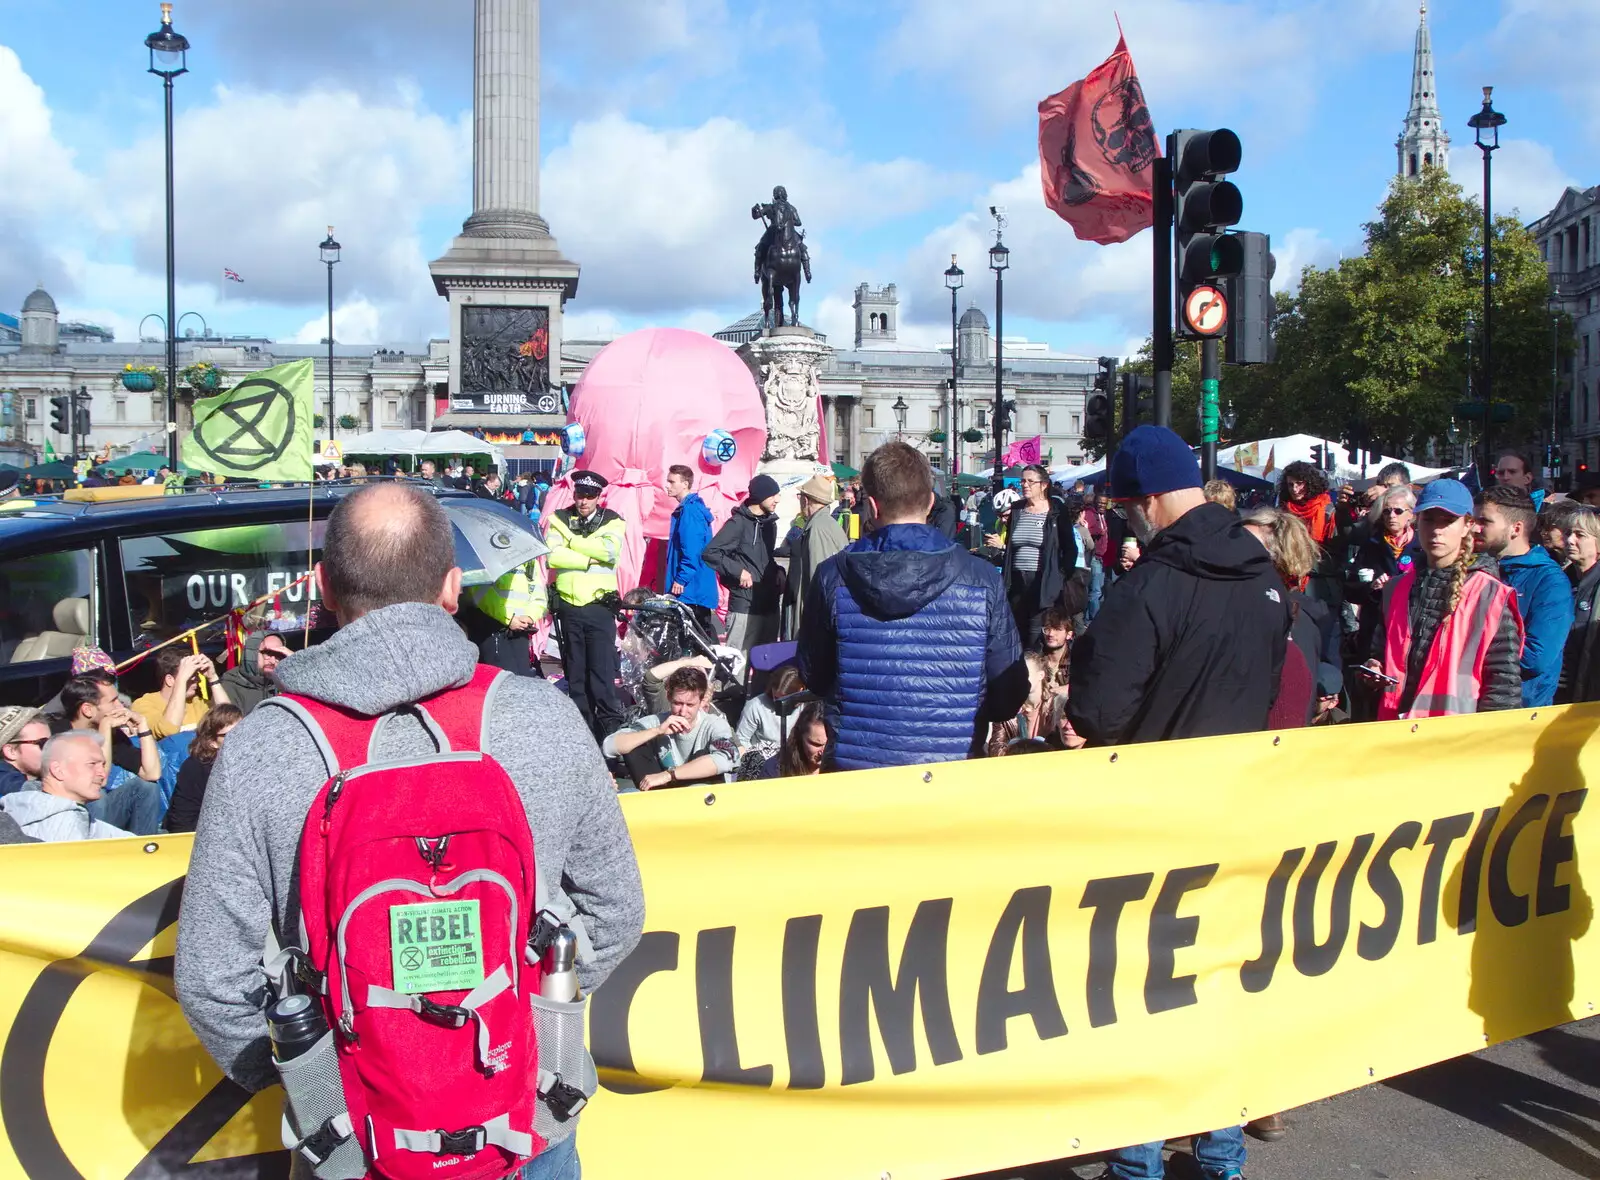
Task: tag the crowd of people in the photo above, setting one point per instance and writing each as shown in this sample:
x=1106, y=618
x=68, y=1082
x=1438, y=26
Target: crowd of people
x=1155, y=607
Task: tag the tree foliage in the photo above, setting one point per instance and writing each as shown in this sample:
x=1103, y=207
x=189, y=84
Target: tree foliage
x=1384, y=339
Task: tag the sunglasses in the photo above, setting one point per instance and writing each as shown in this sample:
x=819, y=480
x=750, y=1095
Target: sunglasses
x=40, y=742
x=1397, y=511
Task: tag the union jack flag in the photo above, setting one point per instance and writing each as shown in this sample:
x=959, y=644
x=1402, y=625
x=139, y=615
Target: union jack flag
x=231, y=274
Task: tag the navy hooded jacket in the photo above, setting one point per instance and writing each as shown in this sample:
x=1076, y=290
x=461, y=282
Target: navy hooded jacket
x=909, y=641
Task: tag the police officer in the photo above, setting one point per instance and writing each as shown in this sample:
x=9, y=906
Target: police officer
x=512, y=607
x=585, y=544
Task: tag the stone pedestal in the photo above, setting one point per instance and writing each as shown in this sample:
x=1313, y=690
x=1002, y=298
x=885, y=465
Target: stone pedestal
x=505, y=276
x=786, y=363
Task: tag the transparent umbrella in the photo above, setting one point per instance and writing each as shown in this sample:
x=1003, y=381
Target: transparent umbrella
x=491, y=540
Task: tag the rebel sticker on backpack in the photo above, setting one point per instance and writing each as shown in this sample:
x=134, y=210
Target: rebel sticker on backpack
x=436, y=946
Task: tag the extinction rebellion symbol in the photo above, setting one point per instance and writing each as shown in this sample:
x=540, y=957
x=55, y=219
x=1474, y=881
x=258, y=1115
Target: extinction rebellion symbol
x=252, y=429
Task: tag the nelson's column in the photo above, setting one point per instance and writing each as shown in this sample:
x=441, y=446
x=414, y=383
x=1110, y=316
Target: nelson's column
x=504, y=275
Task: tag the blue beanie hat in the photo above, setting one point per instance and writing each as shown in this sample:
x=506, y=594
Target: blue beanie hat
x=1152, y=461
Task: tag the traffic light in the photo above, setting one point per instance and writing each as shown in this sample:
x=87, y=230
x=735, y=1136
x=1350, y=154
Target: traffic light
x=1250, y=303
x=82, y=413
x=1134, y=406
x=1097, y=408
x=1317, y=458
x=1204, y=205
x=61, y=414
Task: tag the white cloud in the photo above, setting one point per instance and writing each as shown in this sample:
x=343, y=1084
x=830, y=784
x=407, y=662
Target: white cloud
x=1551, y=44
x=660, y=218
x=1527, y=179
x=1296, y=250
x=356, y=322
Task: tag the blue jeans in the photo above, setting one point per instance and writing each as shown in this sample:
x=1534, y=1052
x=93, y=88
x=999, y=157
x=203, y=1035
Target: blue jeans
x=1217, y=1152
x=1097, y=588
x=134, y=806
x=561, y=1162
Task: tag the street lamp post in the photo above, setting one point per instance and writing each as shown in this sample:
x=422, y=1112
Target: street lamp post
x=952, y=447
x=899, y=409
x=330, y=256
x=1487, y=120
x=169, y=57
x=999, y=260
x=1555, y=381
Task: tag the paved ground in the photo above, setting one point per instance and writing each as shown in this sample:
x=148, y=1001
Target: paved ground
x=1525, y=1110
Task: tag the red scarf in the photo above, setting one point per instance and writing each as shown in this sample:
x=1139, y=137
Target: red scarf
x=1398, y=544
x=1315, y=515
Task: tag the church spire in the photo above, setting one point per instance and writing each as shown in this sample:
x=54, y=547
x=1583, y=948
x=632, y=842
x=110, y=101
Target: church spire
x=1424, y=142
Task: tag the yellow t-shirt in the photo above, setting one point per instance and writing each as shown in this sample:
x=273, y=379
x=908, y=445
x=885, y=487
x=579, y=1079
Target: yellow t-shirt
x=153, y=707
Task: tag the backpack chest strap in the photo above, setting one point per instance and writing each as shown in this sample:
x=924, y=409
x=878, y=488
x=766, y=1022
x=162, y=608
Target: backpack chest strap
x=449, y=1015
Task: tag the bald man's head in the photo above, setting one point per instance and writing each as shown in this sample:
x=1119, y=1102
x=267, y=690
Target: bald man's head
x=388, y=543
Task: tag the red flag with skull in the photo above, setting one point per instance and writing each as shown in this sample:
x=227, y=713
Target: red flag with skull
x=1096, y=145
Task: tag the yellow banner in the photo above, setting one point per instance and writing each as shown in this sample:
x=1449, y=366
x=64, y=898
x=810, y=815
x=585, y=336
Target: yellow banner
x=933, y=971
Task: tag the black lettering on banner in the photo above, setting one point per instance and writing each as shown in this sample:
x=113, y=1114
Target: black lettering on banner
x=609, y=1008
x=1106, y=896
x=800, y=1033
x=1374, y=942
x=1027, y=915
x=713, y=990
x=864, y=983
x=1164, y=991
x=1510, y=907
x=1555, y=850
x=1255, y=975
x=1442, y=833
x=1311, y=957
x=1472, y=873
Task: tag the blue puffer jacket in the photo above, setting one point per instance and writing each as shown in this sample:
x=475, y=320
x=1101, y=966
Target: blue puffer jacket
x=910, y=642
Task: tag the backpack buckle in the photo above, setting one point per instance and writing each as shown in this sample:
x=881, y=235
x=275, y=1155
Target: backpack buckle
x=448, y=1015
x=467, y=1141
x=564, y=1100
x=433, y=851
x=318, y=1146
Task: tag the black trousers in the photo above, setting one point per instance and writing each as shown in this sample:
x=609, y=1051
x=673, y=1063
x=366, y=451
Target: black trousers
x=589, y=659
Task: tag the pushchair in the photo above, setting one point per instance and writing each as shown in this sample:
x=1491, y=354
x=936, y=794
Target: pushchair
x=662, y=628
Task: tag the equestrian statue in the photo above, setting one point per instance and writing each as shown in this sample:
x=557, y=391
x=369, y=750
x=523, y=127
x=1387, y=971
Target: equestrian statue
x=781, y=257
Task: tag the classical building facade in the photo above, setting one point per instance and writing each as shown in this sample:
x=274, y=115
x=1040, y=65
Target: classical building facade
x=1569, y=242
x=1423, y=142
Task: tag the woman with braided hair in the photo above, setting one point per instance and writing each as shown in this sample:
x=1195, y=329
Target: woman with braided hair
x=1451, y=639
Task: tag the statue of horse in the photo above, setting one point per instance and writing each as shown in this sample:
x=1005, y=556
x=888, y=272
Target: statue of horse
x=786, y=260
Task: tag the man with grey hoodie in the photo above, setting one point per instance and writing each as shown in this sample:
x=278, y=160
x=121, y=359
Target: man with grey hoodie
x=72, y=773
x=388, y=573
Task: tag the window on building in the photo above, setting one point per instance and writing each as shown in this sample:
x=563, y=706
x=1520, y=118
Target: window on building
x=1586, y=350
x=1044, y=422
x=1583, y=400
x=867, y=417
x=122, y=410
x=1077, y=424
x=934, y=413
x=1413, y=169
x=391, y=412
x=32, y=408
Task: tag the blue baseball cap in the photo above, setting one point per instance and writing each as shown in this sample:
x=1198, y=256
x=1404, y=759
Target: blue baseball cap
x=1448, y=495
x=1152, y=461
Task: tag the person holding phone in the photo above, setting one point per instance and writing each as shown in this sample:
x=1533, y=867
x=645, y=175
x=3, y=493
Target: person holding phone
x=1451, y=636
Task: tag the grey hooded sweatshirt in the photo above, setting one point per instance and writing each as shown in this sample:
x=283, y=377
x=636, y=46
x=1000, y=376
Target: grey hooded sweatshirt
x=53, y=817
x=269, y=772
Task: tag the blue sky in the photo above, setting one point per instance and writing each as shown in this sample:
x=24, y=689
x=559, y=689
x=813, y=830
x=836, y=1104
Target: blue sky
x=894, y=124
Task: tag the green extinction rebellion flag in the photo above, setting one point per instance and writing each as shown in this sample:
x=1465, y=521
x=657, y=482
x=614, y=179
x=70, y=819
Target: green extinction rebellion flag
x=259, y=429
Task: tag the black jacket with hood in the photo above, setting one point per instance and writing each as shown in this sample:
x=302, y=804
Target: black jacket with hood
x=1188, y=643
x=1058, y=555
x=746, y=542
x=247, y=685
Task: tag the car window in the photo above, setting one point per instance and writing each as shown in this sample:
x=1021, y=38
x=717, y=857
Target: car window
x=180, y=580
x=47, y=606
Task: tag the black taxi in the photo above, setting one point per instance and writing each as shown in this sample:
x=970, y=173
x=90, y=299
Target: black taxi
x=133, y=567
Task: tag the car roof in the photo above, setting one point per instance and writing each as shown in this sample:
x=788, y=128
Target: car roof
x=52, y=523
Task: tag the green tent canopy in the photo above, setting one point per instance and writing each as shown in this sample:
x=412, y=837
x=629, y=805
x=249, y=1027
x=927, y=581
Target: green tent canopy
x=844, y=471
x=138, y=461
x=56, y=470
x=971, y=481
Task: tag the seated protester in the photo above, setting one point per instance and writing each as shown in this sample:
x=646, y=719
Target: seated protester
x=73, y=769
x=23, y=733
x=1054, y=653
x=761, y=725
x=802, y=754
x=184, y=811
x=1032, y=722
x=1220, y=491
x=254, y=679
x=134, y=803
x=654, y=683
x=1451, y=637
x=689, y=744
x=177, y=705
x=1580, y=667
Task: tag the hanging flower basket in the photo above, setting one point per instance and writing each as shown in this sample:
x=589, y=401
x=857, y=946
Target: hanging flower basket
x=317, y=421
x=141, y=378
x=972, y=435
x=348, y=422
x=937, y=436
x=203, y=377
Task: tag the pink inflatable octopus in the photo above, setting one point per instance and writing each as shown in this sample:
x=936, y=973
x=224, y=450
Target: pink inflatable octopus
x=646, y=402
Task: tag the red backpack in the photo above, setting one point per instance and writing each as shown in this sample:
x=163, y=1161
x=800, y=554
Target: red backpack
x=418, y=896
